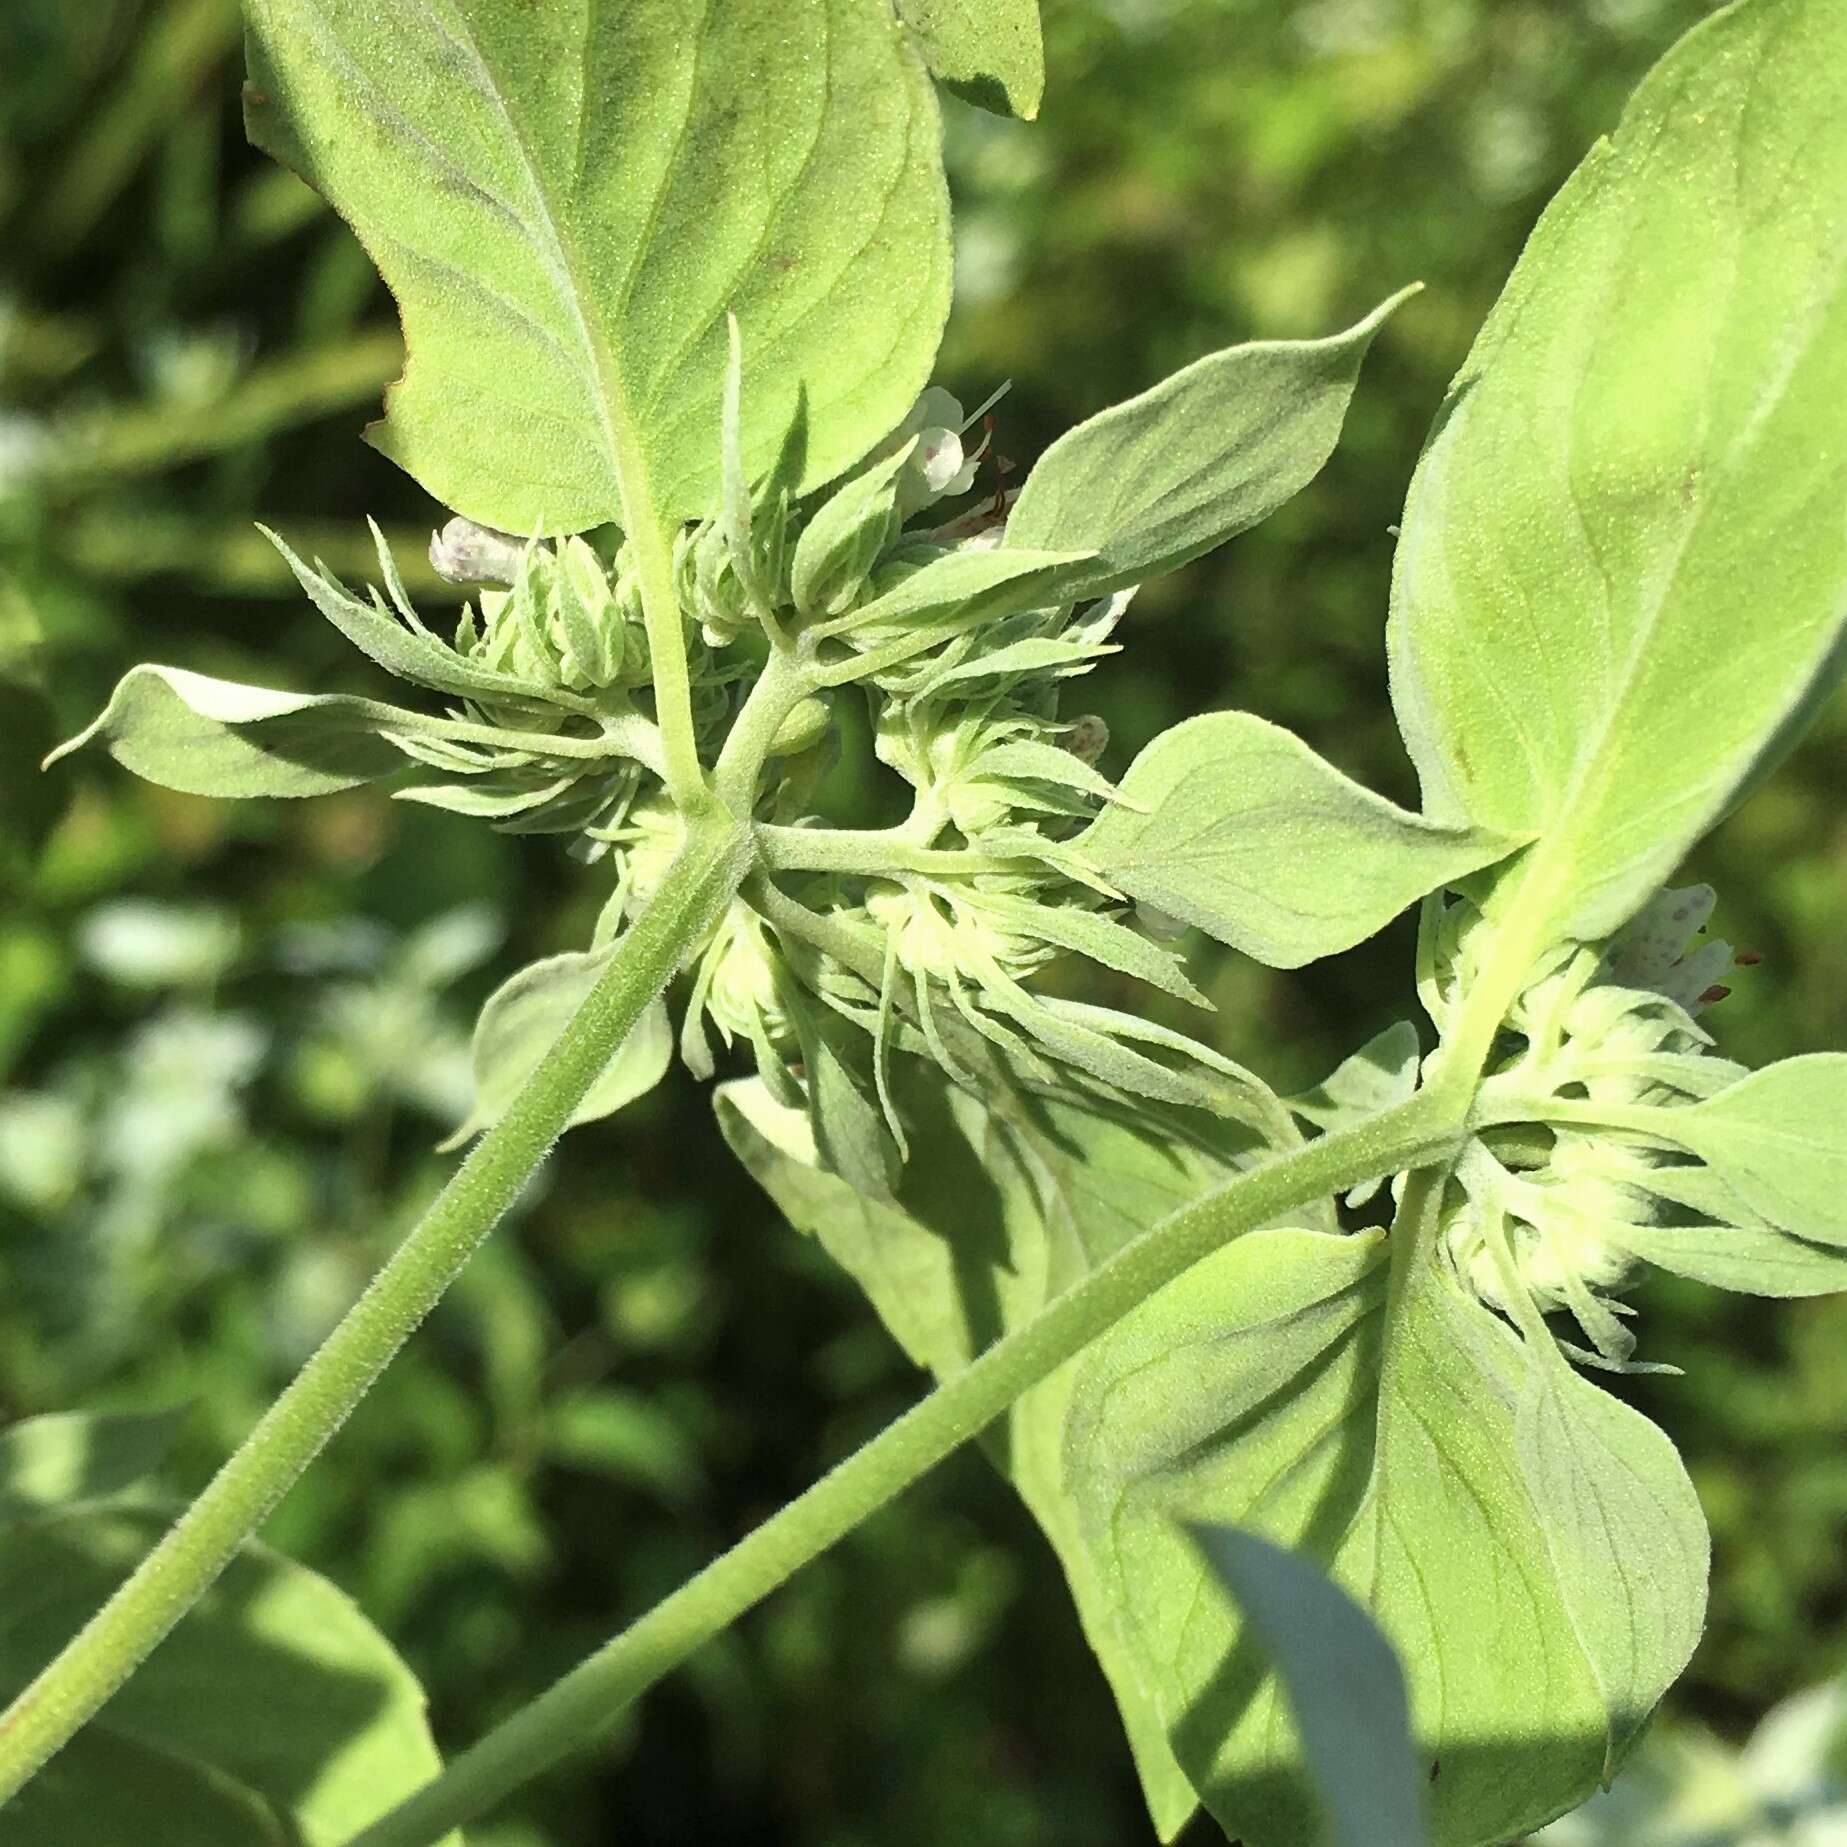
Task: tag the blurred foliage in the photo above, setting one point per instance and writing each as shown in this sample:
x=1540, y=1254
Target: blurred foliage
x=230, y=1036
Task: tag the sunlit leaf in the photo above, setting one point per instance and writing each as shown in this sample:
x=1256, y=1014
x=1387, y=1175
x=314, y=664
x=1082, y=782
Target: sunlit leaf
x=565, y=201
x=1618, y=587
x=988, y=51
x=1158, y=480
x=522, y=1021
x=1238, y=827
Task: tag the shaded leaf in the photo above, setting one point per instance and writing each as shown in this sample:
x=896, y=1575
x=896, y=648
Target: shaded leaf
x=66, y=1456
x=274, y=1703
x=1005, y=1202
x=1343, y=1683
x=522, y=1021
x=1382, y=1072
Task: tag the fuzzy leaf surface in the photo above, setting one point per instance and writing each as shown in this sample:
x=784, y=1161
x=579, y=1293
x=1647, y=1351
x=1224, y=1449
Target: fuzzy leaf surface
x=521, y=1022
x=1275, y=1389
x=1234, y=825
x=566, y=200
x=1623, y=575
x=1160, y=479
x=988, y=51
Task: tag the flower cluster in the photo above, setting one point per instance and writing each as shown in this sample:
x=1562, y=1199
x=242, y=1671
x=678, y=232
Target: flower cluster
x=1552, y=1214
x=926, y=935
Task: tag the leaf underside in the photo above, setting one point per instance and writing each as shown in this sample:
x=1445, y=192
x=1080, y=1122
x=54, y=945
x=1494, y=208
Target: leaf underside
x=1616, y=596
x=566, y=199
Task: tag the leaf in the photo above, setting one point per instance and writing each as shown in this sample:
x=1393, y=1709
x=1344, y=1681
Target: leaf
x=214, y=737
x=1104, y=940
x=274, y=1706
x=1232, y=824
x=1624, y=1532
x=104, y=1787
x=1382, y=1072
x=988, y=51
x=965, y=585
x=1005, y=1202
x=1343, y=1683
x=66, y=1456
x=1280, y=1387
x=1747, y=1259
x=522, y=1021
x=565, y=201
x=1623, y=575
x=1778, y=1140
x=1154, y=482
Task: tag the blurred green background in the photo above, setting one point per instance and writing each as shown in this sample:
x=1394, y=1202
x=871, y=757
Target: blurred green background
x=230, y=1035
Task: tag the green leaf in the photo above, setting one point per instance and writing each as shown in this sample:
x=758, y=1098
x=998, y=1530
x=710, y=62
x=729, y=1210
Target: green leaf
x=1624, y=1533
x=988, y=51
x=1161, y=479
x=1623, y=574
x=1005, y=1202
x=971, y=585
x=1747, y=1259
x=522, y=1021
x=214, y=737
x=1343, y=1683
x=104, y=1787
x=565, y=201
x=1232, y=824
x=1778, y=1141
x=274, y=1707
x=1382, y=1072
x=1281, y=1387
x=66, y=1456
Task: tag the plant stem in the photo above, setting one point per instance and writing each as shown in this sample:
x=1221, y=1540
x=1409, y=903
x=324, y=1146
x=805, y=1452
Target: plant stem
x=692, y=896
x=586, y=1701
x=872, y=851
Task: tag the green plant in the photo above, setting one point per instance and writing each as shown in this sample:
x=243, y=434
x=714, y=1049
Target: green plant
x=1619, y=591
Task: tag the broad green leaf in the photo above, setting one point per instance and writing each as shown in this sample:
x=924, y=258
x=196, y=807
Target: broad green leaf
x=566, y=199
x=214, y=737
x=67, y=1456
x=1276, y=1387
x=1004, y=1203
x=1624, y=565
x=1232, y=824
x=1161, y=479
x=521, y=1022
x=274, y=1703
x=1343, y=1682
x=988, y=51
x=1778, y=1140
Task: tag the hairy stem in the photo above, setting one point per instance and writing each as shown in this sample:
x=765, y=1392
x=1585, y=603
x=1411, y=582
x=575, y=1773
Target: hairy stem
x=692, y=896
x=581, y=1706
